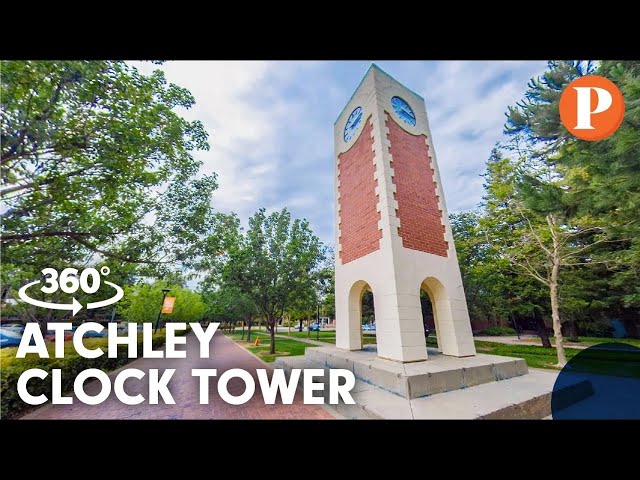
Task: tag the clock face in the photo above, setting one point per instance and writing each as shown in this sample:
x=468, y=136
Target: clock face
x=403, y=110
x=352, y=124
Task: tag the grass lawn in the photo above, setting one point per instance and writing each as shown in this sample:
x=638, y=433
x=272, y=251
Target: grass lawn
x=536, y=357
x=324, y=336
x=588, y=341
x=329, y=337
x=284, y=347
x=604, y=361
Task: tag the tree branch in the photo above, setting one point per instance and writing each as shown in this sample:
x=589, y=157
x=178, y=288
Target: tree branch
x=17, y=188
x=106, y=253
x=526, y=219
x=582, y=249
x=529, y=270
x=28, y=236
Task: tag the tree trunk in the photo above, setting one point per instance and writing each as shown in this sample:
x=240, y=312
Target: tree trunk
x=571, y=330
x=43, y=321
x=242, y=329
x=512, y=318
x=555, y=315
x=553, y=293
x=308, y=328
x=542, y=332
x=249, y=322
x=272, y=335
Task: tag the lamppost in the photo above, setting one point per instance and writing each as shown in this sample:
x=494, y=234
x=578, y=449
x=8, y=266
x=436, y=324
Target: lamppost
x=318, y=324
x=164, y=294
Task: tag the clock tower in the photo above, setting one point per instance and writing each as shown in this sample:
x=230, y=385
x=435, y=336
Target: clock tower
x=393, y=235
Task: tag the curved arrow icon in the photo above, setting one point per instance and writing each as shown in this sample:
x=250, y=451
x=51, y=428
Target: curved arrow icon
x=74, y=306
x=119, y=294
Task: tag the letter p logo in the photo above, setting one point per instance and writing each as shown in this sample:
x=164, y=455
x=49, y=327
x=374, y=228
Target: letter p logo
x=591, y=107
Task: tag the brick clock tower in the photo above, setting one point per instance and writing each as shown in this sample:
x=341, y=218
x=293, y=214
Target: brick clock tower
x=393, y=235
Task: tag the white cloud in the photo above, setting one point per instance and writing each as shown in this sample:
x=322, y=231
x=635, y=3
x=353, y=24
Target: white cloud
x=466, y=102
x=271, y=126
x=241, y=137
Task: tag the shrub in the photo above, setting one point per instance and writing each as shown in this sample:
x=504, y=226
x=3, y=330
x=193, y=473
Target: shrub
x=595, y=329
x=71, y=365
x=497, y=331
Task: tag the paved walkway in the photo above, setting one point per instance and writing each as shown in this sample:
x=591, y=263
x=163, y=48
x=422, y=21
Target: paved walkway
x=225, y=354
x=524, y=340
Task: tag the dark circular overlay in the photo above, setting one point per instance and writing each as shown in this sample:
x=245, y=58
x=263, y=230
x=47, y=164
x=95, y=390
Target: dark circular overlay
x=601, y=382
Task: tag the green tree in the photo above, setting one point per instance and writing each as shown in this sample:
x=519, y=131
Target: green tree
x=230, y=304
x=483, y=272
x=368, y=308
x=95, y=161
x=269, y=262
x=142, y=303
x=532, y=224
x=304, y=303
x=327, y=287
x=536, y=118
x=302, y=308
x=603, y=177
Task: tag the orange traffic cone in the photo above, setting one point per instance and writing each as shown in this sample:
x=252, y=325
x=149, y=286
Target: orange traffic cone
x=257, y=342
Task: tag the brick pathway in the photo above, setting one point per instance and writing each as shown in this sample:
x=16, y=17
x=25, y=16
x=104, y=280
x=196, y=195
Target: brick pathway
x=225, y=354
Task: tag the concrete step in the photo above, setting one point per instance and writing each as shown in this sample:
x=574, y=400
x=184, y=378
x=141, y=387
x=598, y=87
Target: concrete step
x=523, y=397
x=357, y=410
x=414, y=380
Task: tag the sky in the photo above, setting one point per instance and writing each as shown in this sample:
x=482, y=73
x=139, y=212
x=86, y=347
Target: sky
x=270, y=125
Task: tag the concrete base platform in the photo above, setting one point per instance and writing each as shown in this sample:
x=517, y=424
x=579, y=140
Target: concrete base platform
x=413, y=380
x=480, y=387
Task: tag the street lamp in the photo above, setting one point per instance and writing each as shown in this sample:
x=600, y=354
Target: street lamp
x=164, y=294
x=318, y=324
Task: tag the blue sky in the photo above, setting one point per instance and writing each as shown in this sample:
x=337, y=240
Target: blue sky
x=270, y=125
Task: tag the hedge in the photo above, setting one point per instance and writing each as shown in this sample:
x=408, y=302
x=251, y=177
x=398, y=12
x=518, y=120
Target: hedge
x=11, y=405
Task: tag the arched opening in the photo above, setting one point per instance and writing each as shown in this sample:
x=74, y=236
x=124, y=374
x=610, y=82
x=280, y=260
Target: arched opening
x=361, y=315
x=428, y=319
x=430, y=290
x=368, y=317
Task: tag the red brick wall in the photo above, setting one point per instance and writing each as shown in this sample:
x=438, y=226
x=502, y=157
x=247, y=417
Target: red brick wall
x=359, y=232
x=420, y=217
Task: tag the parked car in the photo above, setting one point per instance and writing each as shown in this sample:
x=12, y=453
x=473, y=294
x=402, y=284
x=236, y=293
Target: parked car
x=9, y=338
x=16, y=327
x=314, y=327
x=93, y=334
